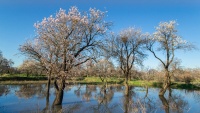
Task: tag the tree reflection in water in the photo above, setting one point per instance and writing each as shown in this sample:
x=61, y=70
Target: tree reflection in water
x=196, y=95
x=174, y=103
x=4, y=90
x=137, y=104
x=30, y=90
x=128, y=101
x=103, y=99
x=164, y=103
x=88, y=92
x=102, y=94
x=134, y=103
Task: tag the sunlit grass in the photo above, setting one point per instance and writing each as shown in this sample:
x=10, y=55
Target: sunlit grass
x=141, y=83
x=97, y=80
x=23, y=79
x=21, y=75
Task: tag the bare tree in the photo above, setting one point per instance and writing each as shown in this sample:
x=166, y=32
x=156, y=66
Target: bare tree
x=5, y=64
x=127, y=49
x=66, y=41
x=166, y=40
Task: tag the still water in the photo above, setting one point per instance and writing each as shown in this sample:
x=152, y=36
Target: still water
x=31, y=98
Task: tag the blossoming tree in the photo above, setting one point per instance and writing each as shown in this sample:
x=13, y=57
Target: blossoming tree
x=127, y=49
x=5, y=64
x=66, y=41
x=166, y=40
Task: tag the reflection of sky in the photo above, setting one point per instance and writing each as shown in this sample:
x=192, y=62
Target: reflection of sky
x=11, y=103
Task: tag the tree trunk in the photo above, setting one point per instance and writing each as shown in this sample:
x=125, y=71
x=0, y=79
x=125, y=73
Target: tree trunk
x=59, y=97
x=57, y=109
x=126, y=89
x=170, y=92
x=60, y=86
x=126, y=78
x=48, y=86
x=46, y=109
x=27, y=73
x=126, y=101
x=165, y=103
x=147, y=91
x=104, y=87
x=166, y=84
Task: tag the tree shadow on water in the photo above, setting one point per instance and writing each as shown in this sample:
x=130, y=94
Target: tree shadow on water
x=174, y=103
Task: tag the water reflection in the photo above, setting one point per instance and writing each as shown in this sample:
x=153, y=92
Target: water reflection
x=30, y=90
x=103, y=97
x=4, y=90
x=88, y=92
x=127, y=99
x=174, y=103
x=99, y=99
x=135, y=102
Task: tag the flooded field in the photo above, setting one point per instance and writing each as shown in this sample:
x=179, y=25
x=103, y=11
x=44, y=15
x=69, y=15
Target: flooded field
x=98, y=99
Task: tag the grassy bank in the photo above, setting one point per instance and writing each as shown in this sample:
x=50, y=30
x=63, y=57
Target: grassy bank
x=23, y=79
x=97, y=80
x=22, y=82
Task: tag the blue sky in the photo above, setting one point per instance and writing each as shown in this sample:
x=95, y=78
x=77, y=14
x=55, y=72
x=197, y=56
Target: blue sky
x=18, y=16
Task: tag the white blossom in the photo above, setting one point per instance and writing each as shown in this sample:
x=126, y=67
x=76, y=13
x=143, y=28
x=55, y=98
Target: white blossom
x=65, y=34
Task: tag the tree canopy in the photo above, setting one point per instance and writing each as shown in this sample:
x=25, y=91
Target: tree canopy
x=5, y=64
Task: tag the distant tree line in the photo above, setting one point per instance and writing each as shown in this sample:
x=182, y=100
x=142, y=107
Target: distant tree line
x=6, y=65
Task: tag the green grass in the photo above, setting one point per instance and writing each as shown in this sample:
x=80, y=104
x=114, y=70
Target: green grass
x=138, y=83
x=23, y=82
x=145, y=83
x=23, y=79
x=97, y=80
x=20, y=75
